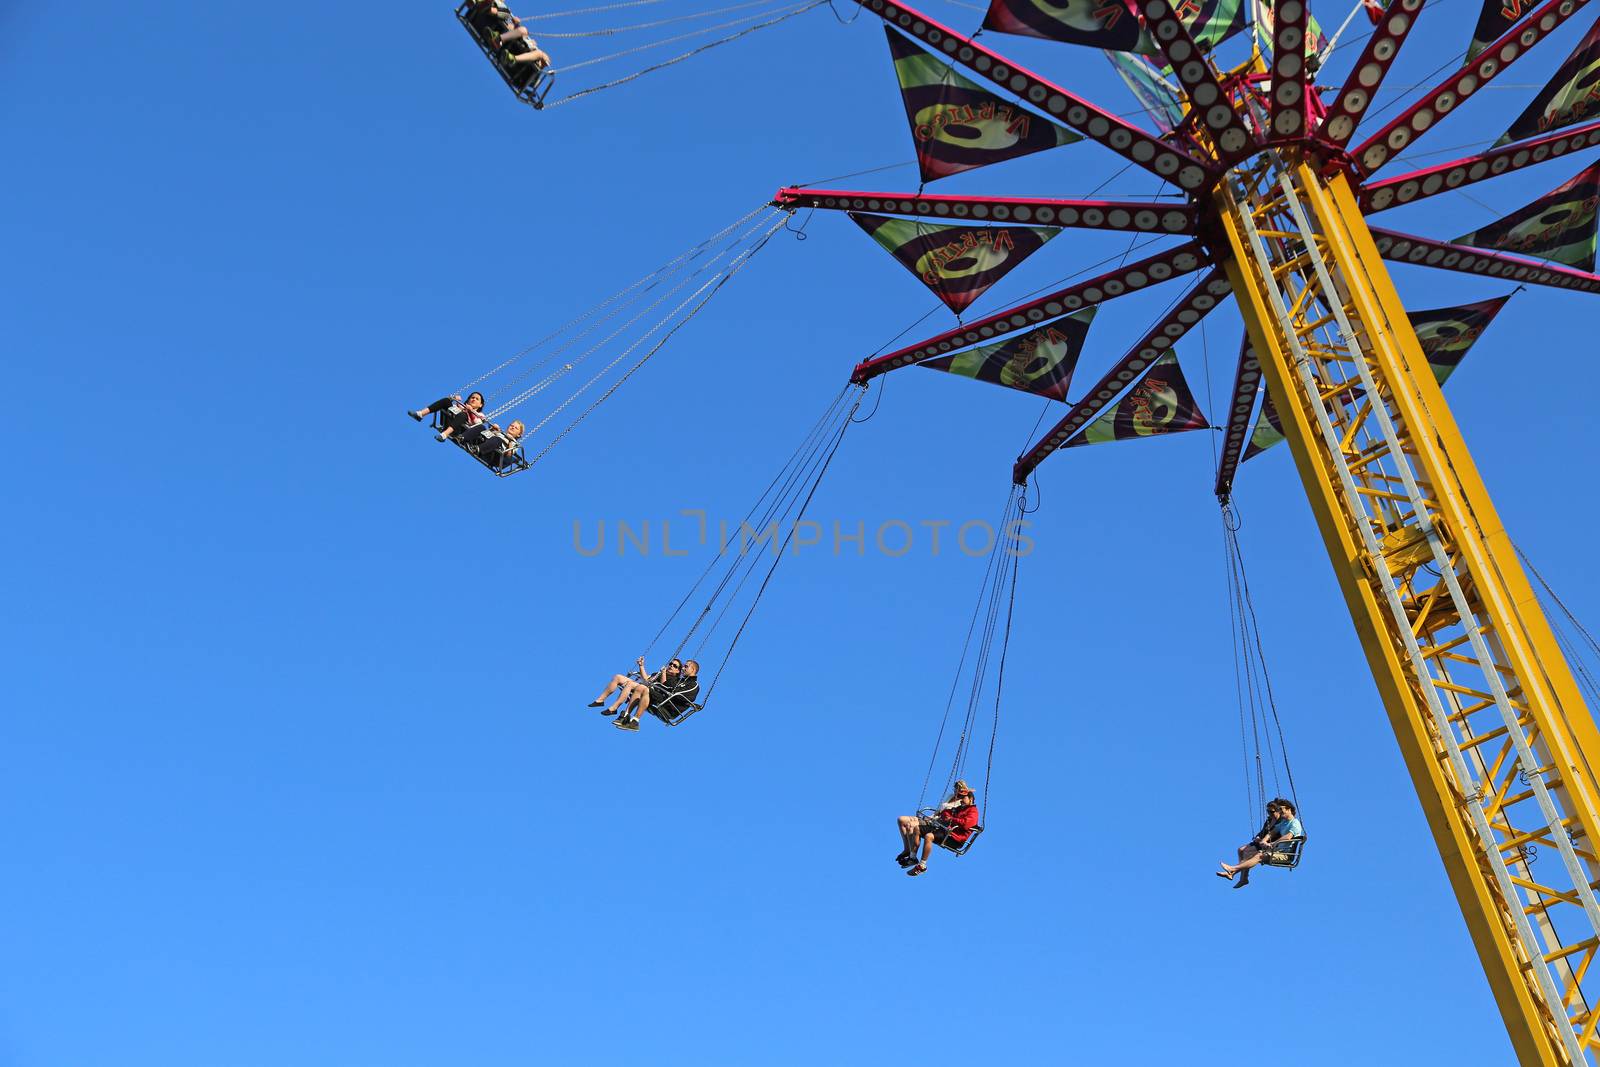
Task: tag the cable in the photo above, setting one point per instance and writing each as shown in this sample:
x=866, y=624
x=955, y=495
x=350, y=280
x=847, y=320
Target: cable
x=802, y=9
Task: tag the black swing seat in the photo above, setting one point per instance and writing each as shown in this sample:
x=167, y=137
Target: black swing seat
x=941, y=834
x=673, y=714
x=530, y=82
x=1285, y=854
x=478, y=445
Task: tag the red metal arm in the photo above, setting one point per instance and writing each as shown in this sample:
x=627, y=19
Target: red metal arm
x=1196, y=303
x=1359, y=89
x=1246, y=383
x=1404, y=248
x=1421, y=184
x=1127, y=141
x=1378, y=149
x=1211, y=104
x=1289, y=69
x=1087, y=214
x=1184, y=259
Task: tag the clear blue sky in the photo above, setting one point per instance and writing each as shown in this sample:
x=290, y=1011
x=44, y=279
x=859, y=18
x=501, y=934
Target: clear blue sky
x=273, y=796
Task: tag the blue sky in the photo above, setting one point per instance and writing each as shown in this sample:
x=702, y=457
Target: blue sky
x=297, y=764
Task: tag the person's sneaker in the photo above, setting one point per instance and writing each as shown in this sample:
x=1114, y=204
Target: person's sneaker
x=417, y=415
x=608, y=711
x=631, y=724
x=905, y=860
x=597, y=703
x=441, y=437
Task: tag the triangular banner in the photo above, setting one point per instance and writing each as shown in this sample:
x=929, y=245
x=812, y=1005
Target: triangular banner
x=1039, y=361
x=959, y=263
x=1445, y=335
x=1155, y=94
x=958, y=125
x=1109, y=24
x=1267, y=432
x=1159, y=403
x=1559, y=226
x=1572, y=95
x=1494, y=20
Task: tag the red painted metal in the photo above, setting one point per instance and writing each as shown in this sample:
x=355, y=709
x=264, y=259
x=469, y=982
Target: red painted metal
x=1246, y=384
x=1406, y=248
x=1134, y=277
x=1430, y=181
x=1194, y=306
x=1129, y=215
x=1288, y=92
x=1361, y=86
x=1422, y=116
x=1211, y=103
x=1130, y=142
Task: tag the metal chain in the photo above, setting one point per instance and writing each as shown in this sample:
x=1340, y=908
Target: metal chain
x=680, y=58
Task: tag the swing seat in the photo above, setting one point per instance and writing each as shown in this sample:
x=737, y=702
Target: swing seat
x=514, y=459
x=942, y=838
x=676, y=716
x=1285, y=854
x=529, y=82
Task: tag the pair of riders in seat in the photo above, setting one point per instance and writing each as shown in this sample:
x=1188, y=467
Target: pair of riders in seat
x=507, y=36
x=666, y=693
x=463, y=421
x=953, y=821
x=1281, y=827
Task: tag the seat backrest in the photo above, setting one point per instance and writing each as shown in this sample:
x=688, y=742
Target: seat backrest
x=1285, y=854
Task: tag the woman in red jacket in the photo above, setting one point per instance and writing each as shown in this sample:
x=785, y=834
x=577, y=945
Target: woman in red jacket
x=955, y=819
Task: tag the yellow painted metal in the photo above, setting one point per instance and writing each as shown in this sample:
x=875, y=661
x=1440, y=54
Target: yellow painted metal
x=1477, y=692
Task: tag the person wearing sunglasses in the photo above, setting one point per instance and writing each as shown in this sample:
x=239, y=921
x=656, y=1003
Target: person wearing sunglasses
x=671, y=689
x=670, y=692
x=1282, y=826
x=954, y=820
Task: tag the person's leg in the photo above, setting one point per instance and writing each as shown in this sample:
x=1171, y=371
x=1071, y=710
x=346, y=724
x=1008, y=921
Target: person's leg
x=532, y=55
x=624, y=690
x=908, y=836
x=617, y=681
x=513, y=34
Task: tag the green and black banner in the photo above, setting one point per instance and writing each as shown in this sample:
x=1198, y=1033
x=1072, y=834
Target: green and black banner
x=1494, y=20
x=956, y=124
x=1559, y=226
x=959, y=263
x=1446, y=333
x=1571, y=96
x=1040, y=361
x=1109, y=24
x=1159, y=403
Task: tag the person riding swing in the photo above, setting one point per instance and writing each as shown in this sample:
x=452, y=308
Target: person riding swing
x=1281, y=827
x=954, y=820
x=666, y=693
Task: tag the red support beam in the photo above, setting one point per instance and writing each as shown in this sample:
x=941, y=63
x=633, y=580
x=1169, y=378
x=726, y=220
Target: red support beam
x=1129, y=142
x=1288, y=70
x=1130, y=215
x=1361, y=86
x=1422, y=116
x=1211, y=104
x=1132, y=278
x=1421, y=184
x=1246, y=384
x=1195, y=305
x=1405, y=248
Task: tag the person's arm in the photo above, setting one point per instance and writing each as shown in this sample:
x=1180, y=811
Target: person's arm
x=644, y=675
